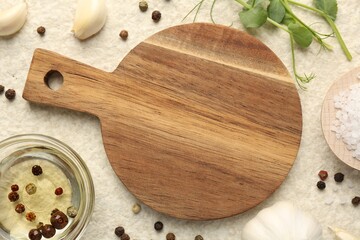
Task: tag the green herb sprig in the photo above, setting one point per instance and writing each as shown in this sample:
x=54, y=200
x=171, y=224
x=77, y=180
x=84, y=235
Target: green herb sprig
x=255, y=13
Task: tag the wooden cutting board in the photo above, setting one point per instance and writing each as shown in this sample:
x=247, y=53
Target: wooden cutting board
x=199, y=121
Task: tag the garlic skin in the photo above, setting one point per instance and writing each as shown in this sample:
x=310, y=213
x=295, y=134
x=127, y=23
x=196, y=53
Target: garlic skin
x=13, y=19
x=282, y=221
x=90, y=17
x=341, y=234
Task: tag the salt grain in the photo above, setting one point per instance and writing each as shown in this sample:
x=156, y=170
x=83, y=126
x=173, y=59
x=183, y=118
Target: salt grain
x=343, y=200
x=347, y=123
x=329, y=200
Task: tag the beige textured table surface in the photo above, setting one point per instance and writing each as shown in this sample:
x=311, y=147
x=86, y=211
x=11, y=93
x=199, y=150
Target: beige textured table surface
x=104, y=51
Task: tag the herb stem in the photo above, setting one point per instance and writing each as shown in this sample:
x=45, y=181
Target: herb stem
x=248, y=6
x=313, y=32
x=278, y=25
x=198, y=5
x=332, y=25
x=211, y=11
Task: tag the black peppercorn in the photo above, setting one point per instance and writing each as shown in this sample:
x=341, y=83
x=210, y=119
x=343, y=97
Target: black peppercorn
x=124, y=34
x=41, y=30
x=339, y=177
x=59, y=220
x=35, y=234
x=119, y=231
x=14, y=188
x=170, y=236
x=125, y=237
x=2, y=88
x=36, y=170
x=321, y=185
x=48, y=231
x=10, y=94
x=355, y=201
x=20, y=208
x=13, y=196
x=156, y=15
x=158, y=226
x=199, y=237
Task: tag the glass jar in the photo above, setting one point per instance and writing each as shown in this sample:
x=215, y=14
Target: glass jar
x=16, y=150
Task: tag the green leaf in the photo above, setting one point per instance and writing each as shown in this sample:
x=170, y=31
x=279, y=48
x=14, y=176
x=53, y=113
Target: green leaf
x=288, y=18
x=254, y=17
x=302, y=35
x=276, y=11
x=327, y=6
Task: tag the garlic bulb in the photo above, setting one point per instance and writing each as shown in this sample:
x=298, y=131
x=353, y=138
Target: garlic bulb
x=90, y=17
x=341, y=234
x=12, y=19
x=282, y=221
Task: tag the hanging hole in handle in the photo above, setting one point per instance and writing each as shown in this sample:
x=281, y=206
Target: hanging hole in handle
x=54, y=80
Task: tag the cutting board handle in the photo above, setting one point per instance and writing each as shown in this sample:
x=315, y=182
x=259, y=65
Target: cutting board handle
x=82, y=84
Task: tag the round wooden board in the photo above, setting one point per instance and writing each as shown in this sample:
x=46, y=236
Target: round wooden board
x=199, y=121
x=328, y=116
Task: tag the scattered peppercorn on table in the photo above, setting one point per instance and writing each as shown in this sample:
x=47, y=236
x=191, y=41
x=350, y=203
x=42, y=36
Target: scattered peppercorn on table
x=318, y=182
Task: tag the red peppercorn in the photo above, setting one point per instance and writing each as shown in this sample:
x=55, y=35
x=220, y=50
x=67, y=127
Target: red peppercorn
x=30, y=216
x=58, y=191
x=323, y=175
x=35, y=234
x=20, y=208
x=59, y=220
x=14, y=188
x=13, y=196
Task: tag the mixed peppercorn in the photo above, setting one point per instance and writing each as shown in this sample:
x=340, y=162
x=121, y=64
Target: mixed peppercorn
x=58, y=219
x=338, y=178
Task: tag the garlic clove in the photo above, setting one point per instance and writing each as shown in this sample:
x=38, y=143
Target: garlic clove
x=13, y=19
x=341, y=234
x=90, y=18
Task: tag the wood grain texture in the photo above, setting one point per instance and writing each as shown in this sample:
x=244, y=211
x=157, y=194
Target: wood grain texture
x=328, y=116
x=199, y=121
